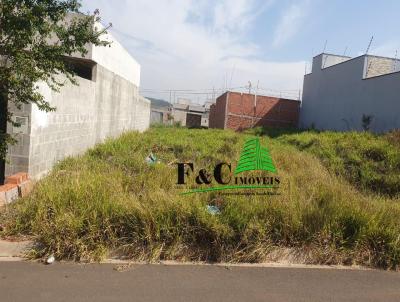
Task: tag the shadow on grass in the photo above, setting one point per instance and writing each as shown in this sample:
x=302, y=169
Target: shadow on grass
x=274, y=132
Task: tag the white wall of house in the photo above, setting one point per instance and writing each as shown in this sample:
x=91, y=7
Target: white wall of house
x=113, y=57
x=104, y=106
x=335, y=97
x=116, y=59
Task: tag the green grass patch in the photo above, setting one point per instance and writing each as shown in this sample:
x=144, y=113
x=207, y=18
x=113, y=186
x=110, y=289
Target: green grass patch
x=370, y=162
x=109, y=200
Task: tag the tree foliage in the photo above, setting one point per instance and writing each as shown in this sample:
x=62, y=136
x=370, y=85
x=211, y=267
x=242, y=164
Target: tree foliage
x=35, y=38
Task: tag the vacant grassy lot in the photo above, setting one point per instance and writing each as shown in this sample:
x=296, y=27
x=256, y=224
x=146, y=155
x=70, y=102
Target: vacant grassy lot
x=111, y=200
x=370, y=162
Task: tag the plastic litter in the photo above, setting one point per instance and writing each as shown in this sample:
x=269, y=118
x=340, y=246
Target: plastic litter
x=151, y=159
x=213, y=210
x=50, y=259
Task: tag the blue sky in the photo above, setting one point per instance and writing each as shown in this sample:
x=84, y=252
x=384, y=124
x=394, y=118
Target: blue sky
x=201, y=44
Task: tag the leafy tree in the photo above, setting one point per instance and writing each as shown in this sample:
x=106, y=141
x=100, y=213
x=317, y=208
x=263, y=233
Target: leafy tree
x=35, y=38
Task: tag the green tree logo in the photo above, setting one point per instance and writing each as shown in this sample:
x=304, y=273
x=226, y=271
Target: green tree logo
x=254, y=157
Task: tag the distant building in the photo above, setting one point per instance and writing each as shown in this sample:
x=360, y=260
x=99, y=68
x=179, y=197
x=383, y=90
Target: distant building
x=190, y=115
x=238, y=111
x=160, y=112
x=160, y=115
x=205, y=119
x=340, y=91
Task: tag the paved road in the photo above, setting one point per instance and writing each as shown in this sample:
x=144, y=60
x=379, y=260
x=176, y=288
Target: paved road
x=25, y=281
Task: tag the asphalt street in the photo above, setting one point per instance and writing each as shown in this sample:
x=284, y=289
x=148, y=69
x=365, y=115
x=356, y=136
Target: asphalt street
x=27, y=281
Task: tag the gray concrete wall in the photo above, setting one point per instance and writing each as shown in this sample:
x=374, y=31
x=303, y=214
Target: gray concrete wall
x=141, y=120
x=102, y=107
x=85, y=115
x=336, y=97
x=179, y=116
x=18, y=154
x=205, y=119
x=156, y=117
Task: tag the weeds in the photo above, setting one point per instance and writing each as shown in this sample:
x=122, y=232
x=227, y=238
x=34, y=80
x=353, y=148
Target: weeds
x=370, y=162
x=109, y=201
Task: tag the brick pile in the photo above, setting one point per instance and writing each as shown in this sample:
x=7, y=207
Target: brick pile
x=17, y=185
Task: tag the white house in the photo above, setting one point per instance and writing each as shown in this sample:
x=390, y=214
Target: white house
x=104, y=104
x=341, y=90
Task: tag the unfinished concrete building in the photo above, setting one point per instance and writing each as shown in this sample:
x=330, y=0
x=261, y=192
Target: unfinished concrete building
x=239, y=111
x=160, y=115
x=104, y=104
x=340, y=91
x=190, y=115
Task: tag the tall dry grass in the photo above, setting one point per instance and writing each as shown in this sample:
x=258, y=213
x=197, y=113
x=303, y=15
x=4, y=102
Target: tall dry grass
x=109, y=201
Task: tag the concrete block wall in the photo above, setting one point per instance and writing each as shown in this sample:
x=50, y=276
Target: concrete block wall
x=142, y=114
x=329, y=60
x=179, y=116
x=160, y=115
x=376, y=66
x=18, y=154
x=64, y=132
x=85, y=115
x=156, y=117
x=105, y=104
x=244, y=111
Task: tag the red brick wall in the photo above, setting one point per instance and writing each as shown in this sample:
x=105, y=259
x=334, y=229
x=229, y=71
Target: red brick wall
x=217, y=113
x=269, y=111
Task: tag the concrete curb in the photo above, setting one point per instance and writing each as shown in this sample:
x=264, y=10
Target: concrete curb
x=14, y=250
x=231, y=265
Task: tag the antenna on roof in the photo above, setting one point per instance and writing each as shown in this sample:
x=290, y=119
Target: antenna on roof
x=345, y=50
x=369, y=45
x=249, y=87
x=326, y=57
x=326, y=43
x=213, y=94
x=258, y=83
x=366, y=53
x=233, y=71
